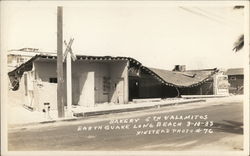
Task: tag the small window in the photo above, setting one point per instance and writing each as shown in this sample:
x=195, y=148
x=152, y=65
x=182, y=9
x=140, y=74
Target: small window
x=53, y=80
x=22, y=60
x=233, y=78
x=9, y=59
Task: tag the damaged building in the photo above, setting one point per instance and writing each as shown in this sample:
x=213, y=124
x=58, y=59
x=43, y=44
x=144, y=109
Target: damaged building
x=236, y=80
x=106, y=79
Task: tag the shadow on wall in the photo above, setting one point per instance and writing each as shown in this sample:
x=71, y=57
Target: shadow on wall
x=78, y=82
x=116, y=70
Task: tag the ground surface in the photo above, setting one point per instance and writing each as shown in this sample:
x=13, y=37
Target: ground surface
x=226, y=115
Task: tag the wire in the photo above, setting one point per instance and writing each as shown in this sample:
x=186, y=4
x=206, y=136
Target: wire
x=210, y=13
x=214, y=15
x=201, y=14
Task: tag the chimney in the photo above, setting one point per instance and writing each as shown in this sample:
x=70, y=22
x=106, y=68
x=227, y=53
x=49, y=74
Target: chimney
x=179, y=68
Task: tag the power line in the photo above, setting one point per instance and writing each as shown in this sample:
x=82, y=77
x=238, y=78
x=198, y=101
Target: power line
x=219, y=17
x=201, y=15
x=210, y=13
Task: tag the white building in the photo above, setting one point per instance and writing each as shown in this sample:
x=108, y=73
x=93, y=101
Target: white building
x=16, y=57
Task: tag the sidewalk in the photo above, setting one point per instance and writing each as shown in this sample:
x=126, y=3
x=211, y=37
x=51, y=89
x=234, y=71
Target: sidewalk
x=104, y=109
x=18, y=115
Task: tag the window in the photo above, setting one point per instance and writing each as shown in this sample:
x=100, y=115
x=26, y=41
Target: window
x=53, y=80
x=22, y=60
x=9, y=59
x=233, y=78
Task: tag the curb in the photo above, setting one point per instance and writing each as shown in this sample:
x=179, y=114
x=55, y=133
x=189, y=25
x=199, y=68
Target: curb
x=87, y=114
x=203, y=96
x=96, y=113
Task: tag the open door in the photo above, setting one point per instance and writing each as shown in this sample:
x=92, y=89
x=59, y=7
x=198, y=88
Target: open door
x=133, y=89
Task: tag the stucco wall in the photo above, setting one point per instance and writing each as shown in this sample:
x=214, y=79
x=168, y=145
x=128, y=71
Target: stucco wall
x=119, y=82
x=114, y=71
x=44, y=91
x=100, y=70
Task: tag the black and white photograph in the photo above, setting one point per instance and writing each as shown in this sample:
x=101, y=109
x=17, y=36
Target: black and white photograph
x=125, y=77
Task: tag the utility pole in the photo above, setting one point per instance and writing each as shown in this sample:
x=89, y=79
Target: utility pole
x=68, y=55
x=60, y=81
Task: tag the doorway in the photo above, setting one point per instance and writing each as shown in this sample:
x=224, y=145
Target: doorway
x=133, y=89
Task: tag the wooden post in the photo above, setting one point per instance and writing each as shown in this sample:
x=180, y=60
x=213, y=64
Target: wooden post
x=60, y=83
x=69, y=83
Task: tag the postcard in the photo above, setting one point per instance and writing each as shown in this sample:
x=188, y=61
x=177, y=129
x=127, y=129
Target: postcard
x=125, y=77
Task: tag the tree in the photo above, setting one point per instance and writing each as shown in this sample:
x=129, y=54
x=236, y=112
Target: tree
x=239, y=43
x=239, y=7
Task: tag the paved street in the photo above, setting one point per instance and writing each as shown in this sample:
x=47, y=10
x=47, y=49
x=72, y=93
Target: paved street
x=218, y=125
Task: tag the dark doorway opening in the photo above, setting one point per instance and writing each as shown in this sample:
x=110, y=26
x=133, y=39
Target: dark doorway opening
x=133, y=89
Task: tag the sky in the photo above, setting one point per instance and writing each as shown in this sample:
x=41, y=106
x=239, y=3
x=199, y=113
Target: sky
x=158, y=34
